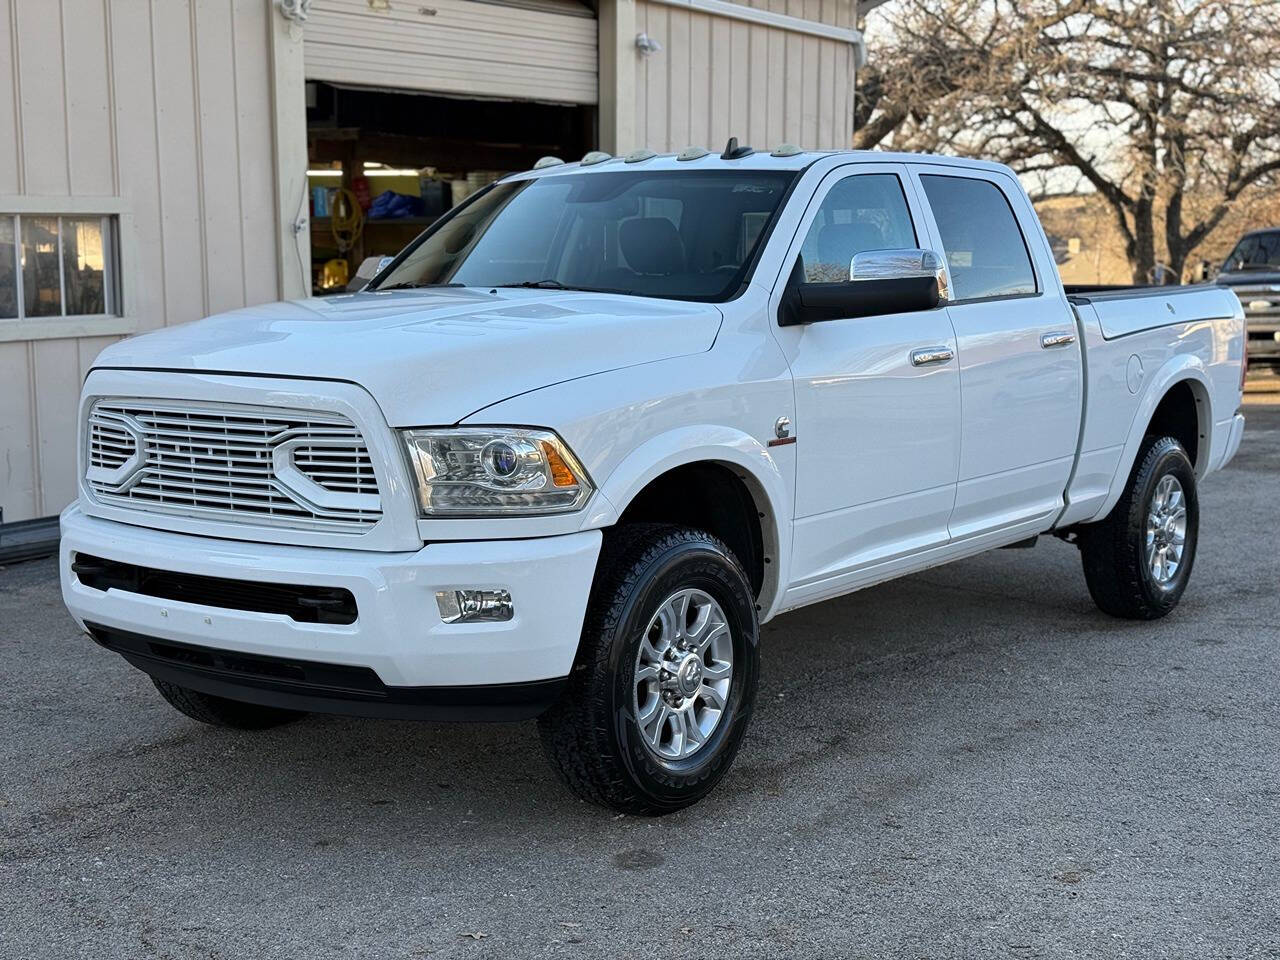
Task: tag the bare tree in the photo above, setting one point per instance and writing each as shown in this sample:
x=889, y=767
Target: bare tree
x=1169, y=109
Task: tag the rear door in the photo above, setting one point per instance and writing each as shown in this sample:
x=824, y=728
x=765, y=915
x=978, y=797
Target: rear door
x=1020, y=365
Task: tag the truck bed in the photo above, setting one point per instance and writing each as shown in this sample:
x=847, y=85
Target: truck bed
x=1125, y=310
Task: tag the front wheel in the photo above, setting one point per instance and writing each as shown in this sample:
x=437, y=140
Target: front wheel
x=665, y=679
x=1138, y=560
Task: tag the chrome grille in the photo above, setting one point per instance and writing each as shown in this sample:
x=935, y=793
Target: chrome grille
x=344, y=470
x=1260, y=302
x=232, y=462
x=111, y=445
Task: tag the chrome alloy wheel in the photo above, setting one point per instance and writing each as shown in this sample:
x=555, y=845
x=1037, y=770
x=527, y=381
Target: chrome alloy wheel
x=1166, y=530
x=683, y=671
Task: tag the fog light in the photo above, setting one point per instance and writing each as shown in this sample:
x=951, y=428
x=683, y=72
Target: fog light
x=474, y=606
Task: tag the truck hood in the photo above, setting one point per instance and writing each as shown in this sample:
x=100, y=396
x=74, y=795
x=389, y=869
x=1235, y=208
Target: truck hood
x=431, y=357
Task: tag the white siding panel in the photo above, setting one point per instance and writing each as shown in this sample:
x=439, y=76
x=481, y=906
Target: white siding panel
x=215, y=78
x=17, y=459
x=10, y=142
x=88, y=113
x=252, y=50
x=719, y=77
x=462, y=47
x=56, y=366
x=42, y=97
x=165, y=104
x=138, y=154
x=181, y=165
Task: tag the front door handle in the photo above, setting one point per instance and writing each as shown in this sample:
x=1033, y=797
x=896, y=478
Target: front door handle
x=1057, y=340
x=927, y=355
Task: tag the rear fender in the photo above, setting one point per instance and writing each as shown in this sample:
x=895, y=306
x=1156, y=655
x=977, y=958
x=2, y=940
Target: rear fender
x=1184, y=367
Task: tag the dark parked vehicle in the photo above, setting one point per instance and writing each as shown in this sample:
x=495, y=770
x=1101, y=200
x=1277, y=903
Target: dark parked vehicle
x=1253, y=272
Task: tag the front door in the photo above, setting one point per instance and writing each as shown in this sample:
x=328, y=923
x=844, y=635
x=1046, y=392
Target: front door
x=877, y=448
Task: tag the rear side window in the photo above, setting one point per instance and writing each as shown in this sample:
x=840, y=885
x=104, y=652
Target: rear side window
x=866, y=211
x=984, y=246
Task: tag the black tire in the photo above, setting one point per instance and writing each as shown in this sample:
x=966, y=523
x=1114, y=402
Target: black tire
x=591, y=735
x=221, y=712
x=1117, y=564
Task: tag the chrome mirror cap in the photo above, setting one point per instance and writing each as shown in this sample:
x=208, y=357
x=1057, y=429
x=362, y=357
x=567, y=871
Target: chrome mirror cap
x=900, y=264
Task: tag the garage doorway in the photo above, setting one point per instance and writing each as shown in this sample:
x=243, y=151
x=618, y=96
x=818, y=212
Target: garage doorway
x=405, y=158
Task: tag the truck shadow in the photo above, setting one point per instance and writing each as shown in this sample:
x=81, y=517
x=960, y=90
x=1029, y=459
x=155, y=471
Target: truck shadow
x=847, y=678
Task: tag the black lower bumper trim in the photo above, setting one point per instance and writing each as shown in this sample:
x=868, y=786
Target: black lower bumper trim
x=305, y=604
x=317, y=687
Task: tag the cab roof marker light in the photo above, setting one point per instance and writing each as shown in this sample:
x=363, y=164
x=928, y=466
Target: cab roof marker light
x=787, y=150
x=548, y=162
x=638, y=156
x=693, y=153
x=594, y=157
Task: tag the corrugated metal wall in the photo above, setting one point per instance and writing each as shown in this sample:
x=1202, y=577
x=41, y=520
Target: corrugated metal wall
x=717, y=77
x=115, y=98
x=456, y=46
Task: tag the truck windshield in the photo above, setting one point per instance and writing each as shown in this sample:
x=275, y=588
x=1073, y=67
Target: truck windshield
x=687, y=235
x=1258, y=251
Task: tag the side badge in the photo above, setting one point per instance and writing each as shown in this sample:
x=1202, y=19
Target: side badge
x=782, y=432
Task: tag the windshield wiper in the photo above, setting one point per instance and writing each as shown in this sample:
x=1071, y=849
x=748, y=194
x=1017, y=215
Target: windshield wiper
x=537, y=285
x=414, y=285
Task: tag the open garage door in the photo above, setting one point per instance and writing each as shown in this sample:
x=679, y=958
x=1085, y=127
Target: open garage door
x=515, y=49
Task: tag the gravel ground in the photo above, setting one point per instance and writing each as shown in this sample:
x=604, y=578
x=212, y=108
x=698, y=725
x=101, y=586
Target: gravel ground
x=972, y=762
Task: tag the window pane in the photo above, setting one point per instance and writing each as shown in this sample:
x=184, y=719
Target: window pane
x=84, y=266
x=41, y=285
x=8, y=270
x=862, y=212
x=982, y=241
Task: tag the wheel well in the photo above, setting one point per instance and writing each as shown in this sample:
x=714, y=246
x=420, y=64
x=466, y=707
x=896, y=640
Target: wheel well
x=1178, y=416
x=713, y=497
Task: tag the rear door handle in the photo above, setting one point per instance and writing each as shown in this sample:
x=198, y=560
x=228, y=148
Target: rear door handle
x=927, y=355
x=1057, y=340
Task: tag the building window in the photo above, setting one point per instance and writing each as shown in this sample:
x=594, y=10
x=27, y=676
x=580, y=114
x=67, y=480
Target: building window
x=58, y=266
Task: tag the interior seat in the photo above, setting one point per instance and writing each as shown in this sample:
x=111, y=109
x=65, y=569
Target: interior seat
x=652, y=246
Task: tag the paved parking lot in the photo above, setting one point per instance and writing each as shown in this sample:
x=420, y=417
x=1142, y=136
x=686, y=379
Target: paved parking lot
x=972, y=762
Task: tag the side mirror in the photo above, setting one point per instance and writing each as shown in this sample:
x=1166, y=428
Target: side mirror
x=880, y=282
x=370, y=267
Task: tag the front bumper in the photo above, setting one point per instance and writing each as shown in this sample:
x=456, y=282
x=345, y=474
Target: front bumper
x=398, y=633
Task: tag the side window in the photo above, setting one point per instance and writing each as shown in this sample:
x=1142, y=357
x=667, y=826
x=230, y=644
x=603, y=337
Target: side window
x=984, y=246
x=866, y=211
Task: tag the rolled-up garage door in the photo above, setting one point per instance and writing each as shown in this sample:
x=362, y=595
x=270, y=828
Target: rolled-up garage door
x=517, y=49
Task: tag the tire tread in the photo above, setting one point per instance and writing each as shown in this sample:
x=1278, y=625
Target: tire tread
x=1111, y=549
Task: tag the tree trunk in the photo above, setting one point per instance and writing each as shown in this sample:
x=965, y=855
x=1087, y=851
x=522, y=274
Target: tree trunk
x=1142, y=255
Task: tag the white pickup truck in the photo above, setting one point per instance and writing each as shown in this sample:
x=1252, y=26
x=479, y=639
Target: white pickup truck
x=592, y=428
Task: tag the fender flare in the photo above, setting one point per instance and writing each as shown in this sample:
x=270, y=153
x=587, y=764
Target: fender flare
x=1185, y=368
x=718, y=444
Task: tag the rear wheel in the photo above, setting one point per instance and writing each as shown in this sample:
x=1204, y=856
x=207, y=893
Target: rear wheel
x=221, y=712
x=1138, y=560
x=662, y=690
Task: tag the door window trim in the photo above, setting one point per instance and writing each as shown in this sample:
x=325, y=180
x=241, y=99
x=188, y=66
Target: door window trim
x=916, y=210
x=919, y=171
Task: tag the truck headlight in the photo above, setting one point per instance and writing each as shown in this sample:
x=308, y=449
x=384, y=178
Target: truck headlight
x=494, y=471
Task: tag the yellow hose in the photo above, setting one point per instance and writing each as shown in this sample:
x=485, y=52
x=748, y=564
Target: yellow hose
x=346, y=222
